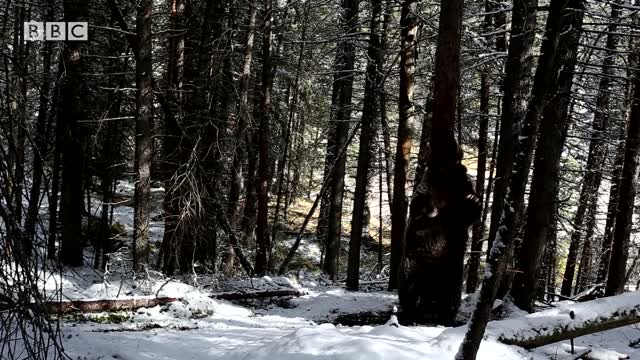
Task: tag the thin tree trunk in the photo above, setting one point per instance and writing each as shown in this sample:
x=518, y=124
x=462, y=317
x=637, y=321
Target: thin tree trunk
x=339, y=123
x=370, y=113
x=239, y=154
x=144, y=109
x=612, y=208
x=622, y=231
x=262, y=234
x=173, y=135
x=597, y=155
x=409, y=29
x=477, y=229
x=41, y=147
x=553, y=130
x=516, y=92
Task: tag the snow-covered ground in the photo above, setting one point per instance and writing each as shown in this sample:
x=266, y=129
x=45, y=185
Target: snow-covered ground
x=201, y=328
x=311, y=326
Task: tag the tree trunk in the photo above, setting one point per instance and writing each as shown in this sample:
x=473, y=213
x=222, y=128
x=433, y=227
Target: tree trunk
x=339, y=128
x=504, y=222
x=41, y=145
x=173, y=136
x=144, y=110
x=553, y=130
x=622, y=230
x=478, y=228
x=370, y=113
x=409, y=29
x=444, y=205
x=612, y=208
x=239, y=154
x=262, y=234
x=597, y=155
x=73, y=89
x=516, y=92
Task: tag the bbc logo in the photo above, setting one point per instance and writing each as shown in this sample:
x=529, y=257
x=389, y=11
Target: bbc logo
x=56, y=31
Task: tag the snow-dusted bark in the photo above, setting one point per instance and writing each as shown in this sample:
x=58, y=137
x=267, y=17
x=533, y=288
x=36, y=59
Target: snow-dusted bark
x=552, y=94
x=409, y=24
x=444, y=205
x=619, y=248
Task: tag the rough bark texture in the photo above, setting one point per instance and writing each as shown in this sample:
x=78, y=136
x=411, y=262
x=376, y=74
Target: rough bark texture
x=144, y=108
x=370, y=114
x=516, y=90
x=581, y=319
x=566, y=24
x=409, y=28
x=595, y=161
x=172, y=138
x=40, y=147
x=612, y=209
x=73, y=88
x=339, y=128
x=262, y=234
x=478, y=228
x=444, y=204
x=620, y=245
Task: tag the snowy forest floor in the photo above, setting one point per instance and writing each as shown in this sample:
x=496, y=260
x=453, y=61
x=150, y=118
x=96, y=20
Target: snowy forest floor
x=327, y=322
x=306, y=327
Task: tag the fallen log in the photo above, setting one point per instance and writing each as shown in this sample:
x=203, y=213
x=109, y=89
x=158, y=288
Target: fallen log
x=568, y=321
x=128, y=304
x=102, y=305
x=246, y=295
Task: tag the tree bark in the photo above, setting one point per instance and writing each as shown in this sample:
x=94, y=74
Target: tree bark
x=516, y=92
x=444, y=204
x=144, y=110
x=73, y=89
x=339, y=128
x=41, y=144
x=595, y=161
x=566, y=19
x=478, y=228
x=370, y=114
x=406, y=119
x=612, y=208
x=622, y=231
x=576, y=320
x=262, y=234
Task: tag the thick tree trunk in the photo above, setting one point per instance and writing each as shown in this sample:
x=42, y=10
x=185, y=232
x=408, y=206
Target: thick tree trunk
x=622, y=231
x=516, y=92
x=409, y=29
x=339, y=123
x=444, y=204
x=553, y=130
x=142, y=164
x=597, y=155
x=370, y=114
x=73, y=89
x=510, y=191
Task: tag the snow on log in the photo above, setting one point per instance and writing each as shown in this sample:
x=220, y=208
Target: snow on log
x=133, y=303
x=568, y=321
x=246, y=295
x=100, y=305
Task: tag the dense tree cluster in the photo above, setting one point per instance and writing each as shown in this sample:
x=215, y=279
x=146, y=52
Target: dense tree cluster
x=517, y=123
